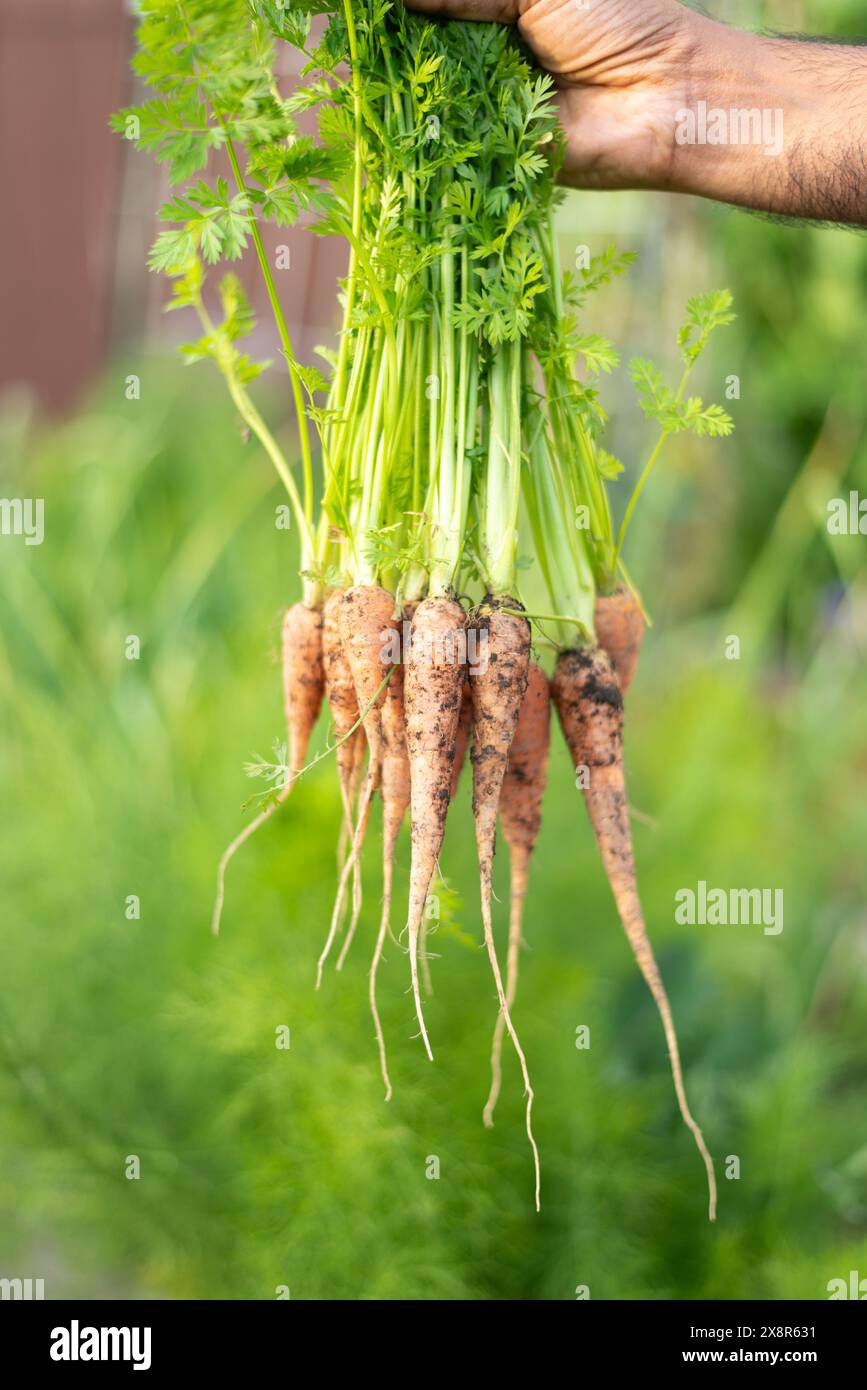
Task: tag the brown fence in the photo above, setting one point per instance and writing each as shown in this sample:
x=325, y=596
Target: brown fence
x=63, y=67
x=78, y=209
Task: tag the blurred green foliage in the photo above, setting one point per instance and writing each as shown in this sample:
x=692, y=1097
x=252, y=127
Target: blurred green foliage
x=262, y=1167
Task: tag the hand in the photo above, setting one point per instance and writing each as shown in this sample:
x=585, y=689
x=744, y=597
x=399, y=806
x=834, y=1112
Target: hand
x=619, y=68
x=653, y=95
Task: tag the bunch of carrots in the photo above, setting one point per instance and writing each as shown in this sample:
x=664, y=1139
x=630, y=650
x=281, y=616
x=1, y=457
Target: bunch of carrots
x=453, y=501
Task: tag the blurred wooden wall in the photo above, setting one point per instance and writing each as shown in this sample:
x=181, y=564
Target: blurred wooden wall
x=79, y=207
x=63, y=68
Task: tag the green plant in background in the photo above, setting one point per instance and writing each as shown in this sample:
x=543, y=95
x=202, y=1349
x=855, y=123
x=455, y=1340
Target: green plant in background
x=263, y=1167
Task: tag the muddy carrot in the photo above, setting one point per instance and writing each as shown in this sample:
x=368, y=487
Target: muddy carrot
x=498, y=683
x=620, y=632
x=520, y=817
x=303, y=688
x=589, y=704
x=434, y=681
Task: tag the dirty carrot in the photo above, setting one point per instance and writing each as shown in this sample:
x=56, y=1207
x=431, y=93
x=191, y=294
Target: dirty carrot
x=433, y=687
x=589, y=705
x=396, y=794
x=620, y=632
x=498, y=683
x=366, y=628
x=521, y=817
x=303, y=689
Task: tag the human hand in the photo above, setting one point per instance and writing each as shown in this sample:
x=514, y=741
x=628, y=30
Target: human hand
x=619, y=69
x=653, y=95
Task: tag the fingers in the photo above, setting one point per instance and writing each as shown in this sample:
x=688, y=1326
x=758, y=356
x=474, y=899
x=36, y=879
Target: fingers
x=506, y=11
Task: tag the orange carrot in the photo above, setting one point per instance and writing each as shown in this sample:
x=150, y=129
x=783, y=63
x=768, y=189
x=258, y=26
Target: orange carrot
x=303, y=688
x=366, y=621
x=366, y=629
x=620, y=632
x=367, y=647
x=303, y=679
x=434, y=679
x=589, y=704
x=521, y=816
x=499, y=684
x=340, y=694
x=342, y=702
x=395, y=803
x=462, y=743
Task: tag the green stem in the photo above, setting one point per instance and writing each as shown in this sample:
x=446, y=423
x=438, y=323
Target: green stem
x=254, y=422
x=502, y=490
x=645, y=473
x=357, y=190
x=285, y=340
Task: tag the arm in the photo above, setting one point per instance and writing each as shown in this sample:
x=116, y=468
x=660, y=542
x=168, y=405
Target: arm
x=653, y=95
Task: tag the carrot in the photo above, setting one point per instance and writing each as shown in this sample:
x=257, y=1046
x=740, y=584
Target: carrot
x=521, y=816
x=303, y=688
x=366, y=620
x=343, y=705
x=620, y=632
x=462, y=743
x=375, y=642
x=365, y=623
x=499, y=684
x=589, y=704
x=395, y=803
x=435, y=666
x=342, y=702
x=303, y=678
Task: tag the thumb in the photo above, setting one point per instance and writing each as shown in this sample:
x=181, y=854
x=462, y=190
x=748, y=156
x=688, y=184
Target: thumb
x=506, y=11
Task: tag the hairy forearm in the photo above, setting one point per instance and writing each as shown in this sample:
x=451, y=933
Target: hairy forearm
x=654, y=95
x=774, y=124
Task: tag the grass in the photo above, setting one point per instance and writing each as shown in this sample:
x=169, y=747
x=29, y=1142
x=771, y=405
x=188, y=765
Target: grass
x=263, y=1167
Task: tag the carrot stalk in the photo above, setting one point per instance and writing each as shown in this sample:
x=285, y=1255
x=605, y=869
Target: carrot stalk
x=521, y=816
x=589, y=704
